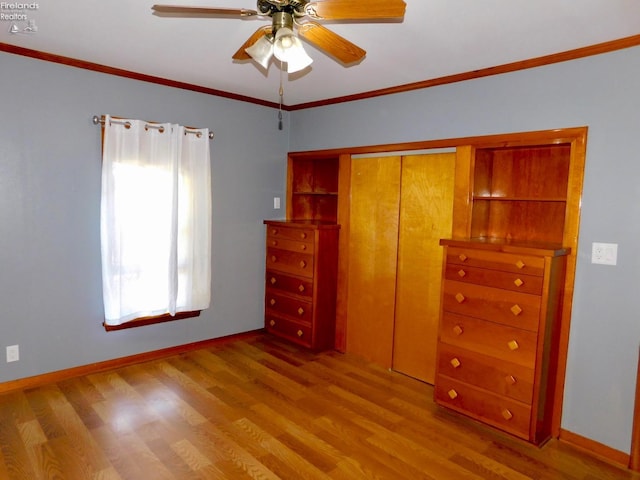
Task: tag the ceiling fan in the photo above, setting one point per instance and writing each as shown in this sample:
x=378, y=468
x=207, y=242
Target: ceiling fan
x=279, y=39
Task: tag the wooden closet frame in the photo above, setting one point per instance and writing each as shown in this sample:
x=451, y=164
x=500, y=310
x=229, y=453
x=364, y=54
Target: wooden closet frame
x=576, y=137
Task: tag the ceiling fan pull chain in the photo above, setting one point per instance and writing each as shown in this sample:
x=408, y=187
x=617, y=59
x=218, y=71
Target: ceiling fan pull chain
x=281, y=92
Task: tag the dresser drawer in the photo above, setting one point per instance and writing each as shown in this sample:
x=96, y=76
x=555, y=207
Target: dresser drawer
x=299, y=333
x=508, y=262
x=285, y=283
x=504, y=413
x=290, y=233
x=510, y=344
x=515, y=281
x=292, y=245
x=285, y=305
x=515, y=309
x=490, y=373
x=291, y=262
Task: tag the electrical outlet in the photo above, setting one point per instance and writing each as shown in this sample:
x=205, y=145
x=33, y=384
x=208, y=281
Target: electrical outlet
x=604, y=253
x=13, y=353
x=276, y=203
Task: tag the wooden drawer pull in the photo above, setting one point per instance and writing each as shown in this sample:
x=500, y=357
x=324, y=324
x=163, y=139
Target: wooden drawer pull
x=513, y=345
x=273, y=280
x=458, y=330
x=300, y=311
x=272, y=323
x=462, y=273
x=455, y=363
x=462, y=257
x=506, y=414
x=301, y=288
x=516, y=310
x=460, y=297
x=274, y=231
x=520, y=264
x=302, y=264
x=274, y=259
x=272, y=302
x=274, y=243
x=452, y=394
x=303, y=246
x=300, y=333
x=518, y=282
x=303, y=235
x=510, y=379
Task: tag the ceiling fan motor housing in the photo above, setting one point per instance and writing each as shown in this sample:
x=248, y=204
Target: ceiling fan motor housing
x=271, y=7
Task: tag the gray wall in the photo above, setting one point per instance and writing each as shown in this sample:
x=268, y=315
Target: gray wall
x=50, y=280
x=600, y=92
x=49, y=205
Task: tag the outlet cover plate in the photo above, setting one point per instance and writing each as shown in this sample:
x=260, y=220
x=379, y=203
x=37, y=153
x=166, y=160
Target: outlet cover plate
x=13, y=353
x=604, y=253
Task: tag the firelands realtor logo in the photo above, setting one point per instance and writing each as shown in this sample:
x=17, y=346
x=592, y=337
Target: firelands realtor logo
x=19, y=16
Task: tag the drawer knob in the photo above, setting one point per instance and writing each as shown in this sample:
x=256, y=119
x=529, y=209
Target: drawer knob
x=462, y=273
x=274, y=231
x=518, y=282
x=302, y=264
x=303, y=235
x=300, y=333
x=506, y=414
x=460, y=297
x=301, y=288
x=272, y=302
x=274, y=259
x=274, y=242
x=516, y=310
x=273, y=280
x=510, y=379
x=513, y=345
x=303, y=246
x=452, y=394
x=455, y=363
x=520, y=264
x=462, y=257
x=272, y=323
x=457, y=330
x=300, y=311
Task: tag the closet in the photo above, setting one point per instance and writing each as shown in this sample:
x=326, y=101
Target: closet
x=400, y=206
x=395, y=215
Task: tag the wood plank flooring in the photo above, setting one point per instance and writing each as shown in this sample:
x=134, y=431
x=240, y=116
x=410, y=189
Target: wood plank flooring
x=259, y=408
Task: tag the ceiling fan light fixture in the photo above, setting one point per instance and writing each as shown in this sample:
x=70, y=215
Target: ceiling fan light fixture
x=261, y=51
x=288, y=48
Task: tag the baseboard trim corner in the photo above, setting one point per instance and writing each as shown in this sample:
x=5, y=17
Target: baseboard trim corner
x=596, y=449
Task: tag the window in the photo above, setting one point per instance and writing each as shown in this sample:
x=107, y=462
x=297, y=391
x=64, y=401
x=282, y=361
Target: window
x=155, y=221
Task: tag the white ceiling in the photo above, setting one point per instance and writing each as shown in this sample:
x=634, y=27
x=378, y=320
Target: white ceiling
x=437, y=38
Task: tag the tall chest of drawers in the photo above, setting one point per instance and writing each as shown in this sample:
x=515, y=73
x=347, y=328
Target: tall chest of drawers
x=300, y=290
x=498, y=334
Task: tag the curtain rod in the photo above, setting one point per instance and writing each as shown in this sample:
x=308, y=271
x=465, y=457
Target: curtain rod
x=100, y=120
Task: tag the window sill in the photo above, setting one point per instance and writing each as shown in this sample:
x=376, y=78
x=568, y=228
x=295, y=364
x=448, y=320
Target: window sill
x=142, y=321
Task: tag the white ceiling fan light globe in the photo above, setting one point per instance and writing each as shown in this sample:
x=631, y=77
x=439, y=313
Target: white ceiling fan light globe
x=288, y=48
x=301, y=62
x=261, y=51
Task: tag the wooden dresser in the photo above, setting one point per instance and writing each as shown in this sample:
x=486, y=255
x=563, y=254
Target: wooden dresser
x=498, y=335
x=301, y=271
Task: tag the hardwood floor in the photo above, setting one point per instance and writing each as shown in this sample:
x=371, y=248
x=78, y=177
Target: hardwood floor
x=259, y=408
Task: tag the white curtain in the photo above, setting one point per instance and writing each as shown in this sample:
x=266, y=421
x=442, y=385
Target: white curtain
x=155, y=219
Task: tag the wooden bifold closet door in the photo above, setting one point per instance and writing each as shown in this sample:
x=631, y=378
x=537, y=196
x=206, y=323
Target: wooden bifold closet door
x=400, y=207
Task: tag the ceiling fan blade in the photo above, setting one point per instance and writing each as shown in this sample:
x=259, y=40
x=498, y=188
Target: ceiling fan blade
x=257, y=35
x=332, y=43
x=200, y=11
x=355, y=9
